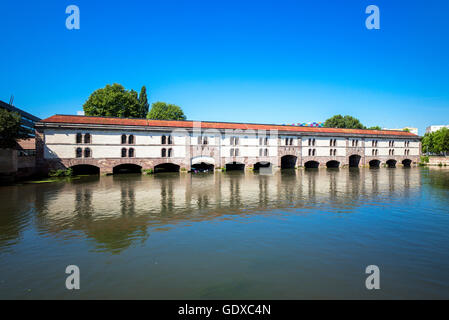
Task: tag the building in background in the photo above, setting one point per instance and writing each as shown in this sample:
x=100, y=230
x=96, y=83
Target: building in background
x=430, y=129
x=412, y=130
x=19, y=161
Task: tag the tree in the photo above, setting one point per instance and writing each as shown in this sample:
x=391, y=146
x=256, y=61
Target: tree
x=11, y=129
x=406, y=129
x=375, y=128
x=114, y=101
x=441, y=141
x=143, y=100
x=427, y=143
x=163, y=111
x=347, y=122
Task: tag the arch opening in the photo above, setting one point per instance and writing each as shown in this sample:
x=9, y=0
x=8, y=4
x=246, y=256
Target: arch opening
x=333, y=164
x=354, y=161
x=82, y=169
x=288, y=162
x=374, y=164
x=202, y=167
x=235, y=166
x=261, y=164
x=166, y=167
x=127, y=168
x=391, y=163
x=311, y=164
x=407, y=163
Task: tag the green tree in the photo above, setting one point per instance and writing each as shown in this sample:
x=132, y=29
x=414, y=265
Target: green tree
x=441, y=141
x=163, y=111
x=406, y=129
x=143, y=100
x=11, y=129
x=427, y=143
x=347, y=122
x=114, y=101
x=375, y=128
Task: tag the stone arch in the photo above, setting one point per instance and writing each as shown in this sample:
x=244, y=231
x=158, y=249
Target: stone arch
x=166, y=167
x=333, y=164
x=80, y=169
x=203, y=159
x=235, y=166
x=262, y=164
x=374, y=163
x=311, y=164
x=391, y=163
x=407, y=163
x=126, y=168
x=202, y=167
x=288, y=162
x=354, y=160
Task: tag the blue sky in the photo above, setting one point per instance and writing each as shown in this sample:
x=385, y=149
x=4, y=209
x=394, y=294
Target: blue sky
x=250, y=61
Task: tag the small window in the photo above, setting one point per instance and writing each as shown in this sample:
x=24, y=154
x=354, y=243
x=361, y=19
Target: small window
x=87, y=138
x=236, y=152
x=266, y=153
x=79, y=152
x=266, y=141
x=123, y=138
x=260, y=152
x=87, y=153
x=123, y=153
x=170, y=152
x=163, y=153
x=313, y=151
x=199, y=140
x=231, y=152
x=205, y=140
x=131, y=139
x=163, y=140
x=170, y=140
x=131, y=152
x=310, y=152
x=79, y=138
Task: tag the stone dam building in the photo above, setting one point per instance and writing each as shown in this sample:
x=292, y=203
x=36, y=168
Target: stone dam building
x=113, y=145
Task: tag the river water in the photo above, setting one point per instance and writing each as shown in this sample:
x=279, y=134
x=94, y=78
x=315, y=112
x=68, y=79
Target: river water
x=305, y=234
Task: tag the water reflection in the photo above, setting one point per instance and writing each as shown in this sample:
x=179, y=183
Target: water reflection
x=115, y=211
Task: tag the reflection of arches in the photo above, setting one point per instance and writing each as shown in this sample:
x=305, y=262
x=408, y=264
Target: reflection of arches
x=354, y=160
x=232, y=166
x=203, y=167
x=311, y=164
x=288, y=162
x=407, y=163
x=85, y=169
x=127, y=168
x=391, y=163
x=374, y=164
x=166, y=167
x=333, y=164
x=262, y=164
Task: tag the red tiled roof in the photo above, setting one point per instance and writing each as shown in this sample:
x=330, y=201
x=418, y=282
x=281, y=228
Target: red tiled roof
x=214, y=125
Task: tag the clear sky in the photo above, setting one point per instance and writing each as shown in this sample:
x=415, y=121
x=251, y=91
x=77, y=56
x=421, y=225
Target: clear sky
x=251, y=61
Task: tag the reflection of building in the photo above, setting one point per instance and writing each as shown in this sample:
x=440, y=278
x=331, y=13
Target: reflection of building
x=412, y=130
x=109, y=144
x=435, y=128
x=19, y=161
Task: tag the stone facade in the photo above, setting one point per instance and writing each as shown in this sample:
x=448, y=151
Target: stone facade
x=57, y=147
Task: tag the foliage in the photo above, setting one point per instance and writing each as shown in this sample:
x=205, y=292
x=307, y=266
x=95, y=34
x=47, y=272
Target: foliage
x=61, y=173
x=11, y=129
x=375, y=128
x=143, y=100
x=163, y=111
x=148, y=171
x=436, y=142
x=346, y=122
x=115, y=101
x=406, y=129
x=425, y=159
